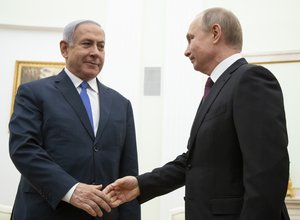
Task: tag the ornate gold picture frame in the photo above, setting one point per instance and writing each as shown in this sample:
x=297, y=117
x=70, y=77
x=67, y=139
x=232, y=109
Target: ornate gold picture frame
x=26, y=71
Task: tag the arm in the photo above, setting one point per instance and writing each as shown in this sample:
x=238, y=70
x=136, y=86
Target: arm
x=149, y=185
x=260, y=123
x=163, y=180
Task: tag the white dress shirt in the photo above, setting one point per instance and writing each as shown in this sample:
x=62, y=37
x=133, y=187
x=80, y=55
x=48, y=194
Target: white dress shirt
x=93, y=94
x=221, y=67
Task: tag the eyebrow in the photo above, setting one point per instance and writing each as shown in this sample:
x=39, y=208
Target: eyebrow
x=89, y=39
x=188, y=36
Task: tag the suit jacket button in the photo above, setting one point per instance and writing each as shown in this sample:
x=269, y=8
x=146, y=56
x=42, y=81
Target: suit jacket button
x=96, y=149
x=189, y=166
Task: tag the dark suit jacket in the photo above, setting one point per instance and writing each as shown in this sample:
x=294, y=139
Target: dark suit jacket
x=53, y=146
x=237, y=165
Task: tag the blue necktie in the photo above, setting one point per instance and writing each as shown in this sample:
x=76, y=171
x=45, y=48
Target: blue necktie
x=86, y=101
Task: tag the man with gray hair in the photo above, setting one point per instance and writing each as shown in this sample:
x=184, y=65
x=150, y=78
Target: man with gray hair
x=70, y=136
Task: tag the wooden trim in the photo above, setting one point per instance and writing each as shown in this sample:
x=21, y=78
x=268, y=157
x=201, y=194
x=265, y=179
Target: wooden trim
x=273, y=57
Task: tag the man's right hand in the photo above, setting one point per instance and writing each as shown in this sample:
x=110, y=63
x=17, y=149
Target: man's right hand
x=122, y=190
x=91, y=199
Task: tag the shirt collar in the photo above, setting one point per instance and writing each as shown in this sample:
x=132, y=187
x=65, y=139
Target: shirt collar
x=221, y=67
x=77, y=81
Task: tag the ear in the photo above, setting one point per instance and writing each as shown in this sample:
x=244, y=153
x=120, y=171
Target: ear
x=64, y=46
x=216, y=33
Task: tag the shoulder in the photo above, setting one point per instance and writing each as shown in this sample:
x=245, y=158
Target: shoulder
x=256, y=72
x=36, y=86
x=117, y=101
x=249, y=72
x=110, y=91
x=40, y=82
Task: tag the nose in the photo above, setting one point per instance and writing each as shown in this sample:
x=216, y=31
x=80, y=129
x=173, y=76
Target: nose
x=94, y=50
x=187, y=52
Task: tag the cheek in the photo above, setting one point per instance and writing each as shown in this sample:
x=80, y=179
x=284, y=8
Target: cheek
x=74, y=64
x=102, y=57
x=195, y=48
x=73, y=59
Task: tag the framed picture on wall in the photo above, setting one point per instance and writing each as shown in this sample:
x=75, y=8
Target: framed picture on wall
x=26, y=71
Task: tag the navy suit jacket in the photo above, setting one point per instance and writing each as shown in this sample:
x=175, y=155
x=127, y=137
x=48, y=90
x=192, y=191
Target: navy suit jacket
x=53, y=146
x=237, y=164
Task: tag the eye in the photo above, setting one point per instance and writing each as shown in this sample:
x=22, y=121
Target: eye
x=100, y=46
x=189, y=37
x=86, y=43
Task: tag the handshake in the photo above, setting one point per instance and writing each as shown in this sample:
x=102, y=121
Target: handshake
x=92, y=198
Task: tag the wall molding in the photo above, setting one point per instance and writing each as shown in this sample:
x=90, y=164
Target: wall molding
x=293, y=205
x=273, y=57
x=30, y=28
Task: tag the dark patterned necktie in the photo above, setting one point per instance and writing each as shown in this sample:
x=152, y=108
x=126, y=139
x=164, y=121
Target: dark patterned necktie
x=209, y=83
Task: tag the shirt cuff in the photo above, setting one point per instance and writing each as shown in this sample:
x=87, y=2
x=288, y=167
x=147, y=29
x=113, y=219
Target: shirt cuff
x=69, y=194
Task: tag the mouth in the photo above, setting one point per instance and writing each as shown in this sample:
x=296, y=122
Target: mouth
x=93, y=63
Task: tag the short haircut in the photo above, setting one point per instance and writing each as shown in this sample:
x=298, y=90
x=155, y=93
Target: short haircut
x=68, y=33
x=229, y=23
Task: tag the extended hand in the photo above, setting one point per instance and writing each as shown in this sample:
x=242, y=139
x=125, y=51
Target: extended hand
x=122, y=190
x=91, y=199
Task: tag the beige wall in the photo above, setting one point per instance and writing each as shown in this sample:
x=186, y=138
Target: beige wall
x=139, y=34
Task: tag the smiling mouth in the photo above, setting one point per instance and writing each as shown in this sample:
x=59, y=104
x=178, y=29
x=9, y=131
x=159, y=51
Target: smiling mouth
x=92, y=63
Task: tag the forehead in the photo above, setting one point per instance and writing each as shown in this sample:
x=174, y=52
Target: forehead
x=89, y=30
x=196, y=24
x=194, y=28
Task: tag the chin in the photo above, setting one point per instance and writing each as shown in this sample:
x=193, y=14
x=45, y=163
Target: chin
x=93, y=75
x=92, y=71
x=88, y=75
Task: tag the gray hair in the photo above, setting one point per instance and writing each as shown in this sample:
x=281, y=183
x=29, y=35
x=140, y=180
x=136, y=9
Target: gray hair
x=68, y=33
x=229, y=23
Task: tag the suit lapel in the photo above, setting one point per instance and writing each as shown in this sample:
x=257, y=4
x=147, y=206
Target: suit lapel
x=105, y=108
x=205, y=105
x=66, y=87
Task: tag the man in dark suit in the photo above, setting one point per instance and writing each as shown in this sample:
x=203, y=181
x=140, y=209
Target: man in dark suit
x=237, y=165
x=65, y=153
